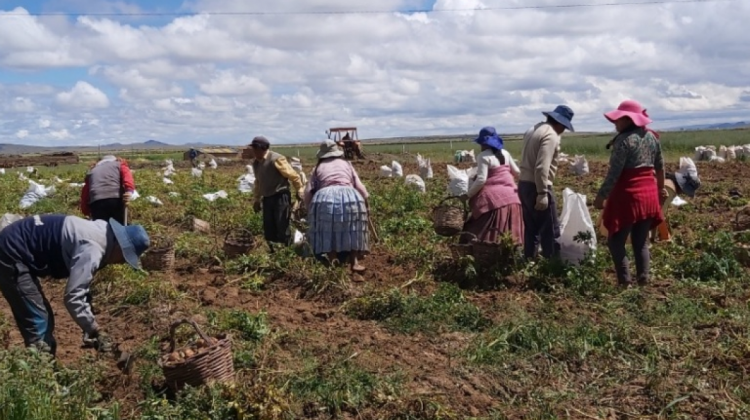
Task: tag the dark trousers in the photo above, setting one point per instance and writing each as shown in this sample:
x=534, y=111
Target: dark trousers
x=639, y=238
x=31, y=309
x=277, y=212
x=540, y=227
x=108, y=208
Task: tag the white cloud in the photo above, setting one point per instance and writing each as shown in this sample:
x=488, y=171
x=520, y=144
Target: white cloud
x=83, y=96
x=22, y=134
x=224, y=78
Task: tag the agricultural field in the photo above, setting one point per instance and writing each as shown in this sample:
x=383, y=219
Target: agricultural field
x=421, y=335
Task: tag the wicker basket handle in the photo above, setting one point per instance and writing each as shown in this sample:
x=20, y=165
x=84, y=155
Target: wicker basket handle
x=467, y=233
x=173, y=329
x=246, y=231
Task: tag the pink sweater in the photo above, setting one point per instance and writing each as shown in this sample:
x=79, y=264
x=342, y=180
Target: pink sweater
x=333, y=172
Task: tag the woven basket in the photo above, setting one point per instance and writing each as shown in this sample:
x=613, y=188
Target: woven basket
x=448, y=220
x=159, y=258
x=214, y=365
x=488, y=254
x=238, y=243
x=459, y=251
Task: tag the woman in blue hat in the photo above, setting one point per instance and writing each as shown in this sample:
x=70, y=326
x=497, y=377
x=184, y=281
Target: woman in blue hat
x=493, y=195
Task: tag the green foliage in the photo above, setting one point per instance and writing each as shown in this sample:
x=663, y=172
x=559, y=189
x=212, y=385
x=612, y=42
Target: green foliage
x=34, y=387
x=713, y=259
x=445, y=310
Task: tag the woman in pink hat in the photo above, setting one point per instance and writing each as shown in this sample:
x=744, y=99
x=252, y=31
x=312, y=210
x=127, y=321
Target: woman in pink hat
x=631, y=191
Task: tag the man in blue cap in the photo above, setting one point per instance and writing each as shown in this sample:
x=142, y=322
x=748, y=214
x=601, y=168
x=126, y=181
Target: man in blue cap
x=60, y=246
x=541, y=147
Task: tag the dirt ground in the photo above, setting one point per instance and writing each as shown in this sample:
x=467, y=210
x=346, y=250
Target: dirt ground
x=426, y=361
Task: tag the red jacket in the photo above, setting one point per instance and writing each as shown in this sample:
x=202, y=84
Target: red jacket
x=127, y=184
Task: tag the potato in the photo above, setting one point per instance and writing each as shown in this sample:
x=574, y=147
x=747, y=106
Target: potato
x=172, y=357
x=189, y=353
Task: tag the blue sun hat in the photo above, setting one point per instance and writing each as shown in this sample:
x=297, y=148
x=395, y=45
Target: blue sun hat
x=562, y=114
x=133, y=241
x=488, y=137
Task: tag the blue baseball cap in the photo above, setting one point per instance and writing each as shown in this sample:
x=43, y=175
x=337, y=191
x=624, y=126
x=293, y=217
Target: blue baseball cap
x=133, y=241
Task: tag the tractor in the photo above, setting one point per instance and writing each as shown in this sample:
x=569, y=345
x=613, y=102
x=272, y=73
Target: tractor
x=346, y=138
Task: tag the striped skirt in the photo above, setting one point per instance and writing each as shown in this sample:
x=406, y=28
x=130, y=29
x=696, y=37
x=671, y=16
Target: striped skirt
x=338, y=221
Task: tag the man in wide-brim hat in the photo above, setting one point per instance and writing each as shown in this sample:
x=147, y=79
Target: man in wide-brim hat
x=541, y=146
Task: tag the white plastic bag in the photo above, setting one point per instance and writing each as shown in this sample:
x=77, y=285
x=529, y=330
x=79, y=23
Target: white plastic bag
x=167, y=181
x=299, y=237
x=153, y=200
x=580, y=165
x=213, y=164
x=575, y=219
x=398, y=171
x=246, y=183
x=678, y=202
x=386, y=171
x=416, y=182
x=34, y=193
x=134, y=196
x=459, y=181
x=215, y=196
x=196, y=172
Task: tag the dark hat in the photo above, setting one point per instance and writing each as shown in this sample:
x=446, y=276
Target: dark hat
x=563, y=115
x=260, y=142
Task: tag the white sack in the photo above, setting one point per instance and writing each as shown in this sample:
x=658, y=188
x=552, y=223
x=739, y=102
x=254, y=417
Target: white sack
x=201, y=166
x=398, y=171
x=723, y=152
x=459, y=181
x=416, y=182
x=134, y=196
x=386, y=171
x=2, y=171
x=174, y=194
x=575, y=219
x=213, y=164
x=30, y=169
x=580, y=165
x=699, y=153
x=425, y=167
x=215, y=196
x=731, y=153
x=75, y=185
x=167, y=181
x=299, y=237
x=34, y=193
x=196, y=172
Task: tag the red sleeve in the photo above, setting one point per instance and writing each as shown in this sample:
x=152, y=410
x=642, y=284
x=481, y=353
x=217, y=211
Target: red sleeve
x=85, y=198
x=128, y=183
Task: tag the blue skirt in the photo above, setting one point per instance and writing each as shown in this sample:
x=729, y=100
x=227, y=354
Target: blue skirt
x=338, y=221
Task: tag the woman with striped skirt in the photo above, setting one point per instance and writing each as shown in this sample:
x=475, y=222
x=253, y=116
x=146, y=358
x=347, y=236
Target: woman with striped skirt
x=338, y=210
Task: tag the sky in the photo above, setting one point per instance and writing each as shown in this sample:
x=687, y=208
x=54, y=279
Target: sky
x=78, y=72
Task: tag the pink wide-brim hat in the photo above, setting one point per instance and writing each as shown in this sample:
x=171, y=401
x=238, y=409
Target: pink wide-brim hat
x=632, y=110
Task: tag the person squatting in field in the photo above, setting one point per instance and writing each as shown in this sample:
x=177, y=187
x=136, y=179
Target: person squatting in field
x=338, y=209
x=493, y=195
x=107, y=189
x=272, y=194
x=541, y=146
x=60, y=246
x=633, y=190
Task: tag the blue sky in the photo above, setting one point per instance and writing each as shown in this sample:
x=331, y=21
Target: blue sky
x=88, y=79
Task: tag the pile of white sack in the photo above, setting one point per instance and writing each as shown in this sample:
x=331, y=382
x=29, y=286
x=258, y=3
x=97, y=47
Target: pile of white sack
x=393, y=171
x=722, y=154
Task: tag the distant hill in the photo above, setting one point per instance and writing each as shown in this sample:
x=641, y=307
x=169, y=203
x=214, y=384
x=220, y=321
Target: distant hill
x=719, y=126
x=21, y=149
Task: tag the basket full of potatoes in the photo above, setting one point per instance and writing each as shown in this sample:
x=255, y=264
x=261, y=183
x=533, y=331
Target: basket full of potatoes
x=208, y=359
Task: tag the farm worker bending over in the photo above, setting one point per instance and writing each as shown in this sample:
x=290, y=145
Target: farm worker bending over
x=631, y=191
x=493, y=196
x=61, y=246
x=338, y=211
x=684, y=181
x=107, y=190
x=273, y=173
x=541, y=146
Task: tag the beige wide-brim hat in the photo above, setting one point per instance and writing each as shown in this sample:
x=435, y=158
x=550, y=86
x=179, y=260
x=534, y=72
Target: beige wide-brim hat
x=329, y=149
